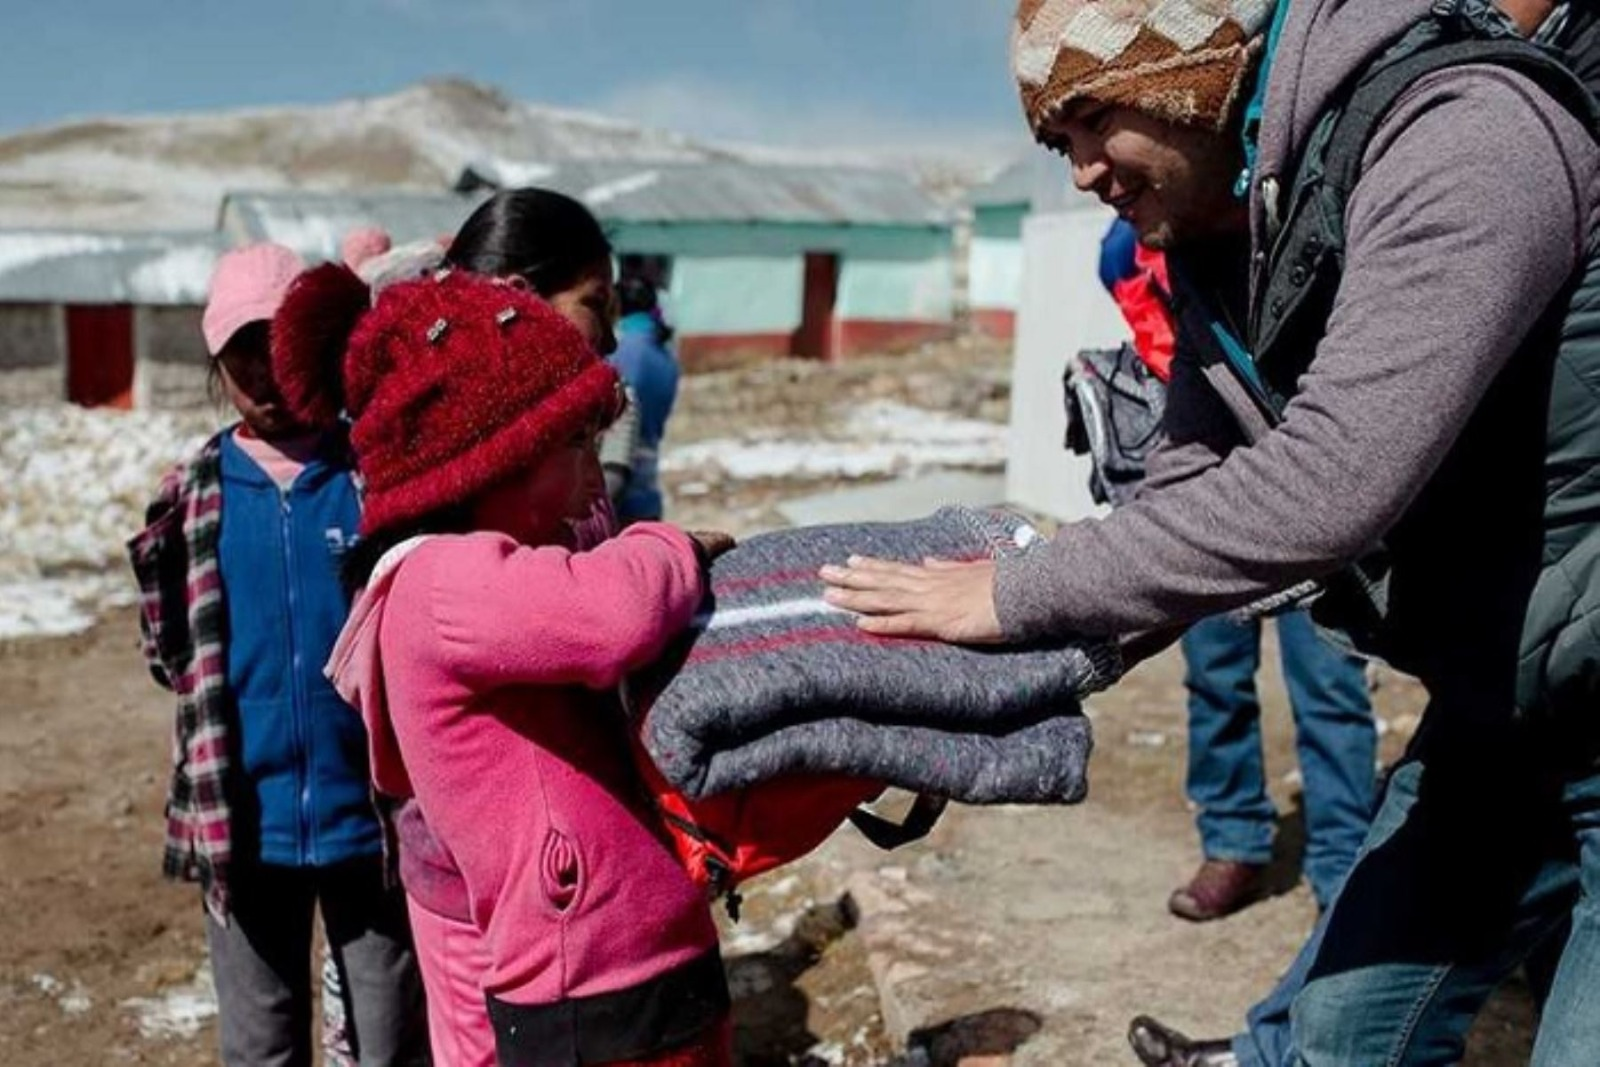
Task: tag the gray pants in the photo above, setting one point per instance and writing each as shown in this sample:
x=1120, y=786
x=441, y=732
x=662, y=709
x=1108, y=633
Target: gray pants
x=262, y=964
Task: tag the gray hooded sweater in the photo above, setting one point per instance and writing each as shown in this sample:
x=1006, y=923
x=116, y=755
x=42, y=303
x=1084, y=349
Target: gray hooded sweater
x=1477, y=199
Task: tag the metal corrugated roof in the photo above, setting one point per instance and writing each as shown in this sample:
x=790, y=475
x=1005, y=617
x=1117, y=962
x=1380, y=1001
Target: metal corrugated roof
x=1012, y=187
x=314, y=223
x=745, y=192
x=65, y=267
x=1040, y=180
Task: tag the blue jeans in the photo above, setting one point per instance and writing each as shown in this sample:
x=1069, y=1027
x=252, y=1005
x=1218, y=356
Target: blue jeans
x=1478, y=854
x=1336, y=741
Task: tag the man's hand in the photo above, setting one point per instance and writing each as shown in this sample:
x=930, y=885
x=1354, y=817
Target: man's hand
x=937, y=599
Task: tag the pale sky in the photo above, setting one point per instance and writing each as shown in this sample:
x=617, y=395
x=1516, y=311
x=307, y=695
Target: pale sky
x=847, y=73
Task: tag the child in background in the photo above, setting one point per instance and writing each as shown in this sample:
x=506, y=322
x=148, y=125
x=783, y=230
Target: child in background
x=651, y=373
x=485, y=652
x=269, y=805
x=1136, y=278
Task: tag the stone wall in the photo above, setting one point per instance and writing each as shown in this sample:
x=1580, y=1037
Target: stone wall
x=33, y=365
x=172, y=358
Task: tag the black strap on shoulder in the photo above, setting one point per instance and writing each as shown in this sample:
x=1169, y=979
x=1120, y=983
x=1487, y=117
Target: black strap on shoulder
x=1376, y=95
x=1299, y=281
x=887, y=835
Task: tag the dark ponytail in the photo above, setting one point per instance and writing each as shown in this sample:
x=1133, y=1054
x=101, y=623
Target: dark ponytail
x=542, y=236
x=310, y=334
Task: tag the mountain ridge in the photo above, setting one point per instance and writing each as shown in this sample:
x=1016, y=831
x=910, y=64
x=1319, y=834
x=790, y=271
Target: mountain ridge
x=170, y=171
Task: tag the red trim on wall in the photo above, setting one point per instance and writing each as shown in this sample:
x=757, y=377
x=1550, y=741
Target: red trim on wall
x=853, y=337
x=995, y=322
x=860, y=337
x=707, y=350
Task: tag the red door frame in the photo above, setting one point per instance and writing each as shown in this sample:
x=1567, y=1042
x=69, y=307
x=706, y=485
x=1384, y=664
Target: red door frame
x=100, y=355
x=817, y=337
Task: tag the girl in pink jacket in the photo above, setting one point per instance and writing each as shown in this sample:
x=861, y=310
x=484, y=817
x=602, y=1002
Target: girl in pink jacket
x=554, y=245
x=485, y=651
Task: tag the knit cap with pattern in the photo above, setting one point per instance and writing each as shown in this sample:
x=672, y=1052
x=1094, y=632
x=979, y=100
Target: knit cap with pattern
x=1181, y=61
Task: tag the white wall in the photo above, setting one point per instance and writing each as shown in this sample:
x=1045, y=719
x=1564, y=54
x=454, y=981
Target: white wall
x=736, y=294
x=1064, y=309
x=994, y=278
x=33, y=354
x=170, y=360
x=896, y=290
x=746, y=278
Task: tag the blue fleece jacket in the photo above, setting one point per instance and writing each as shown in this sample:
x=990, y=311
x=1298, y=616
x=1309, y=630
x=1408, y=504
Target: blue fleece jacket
x=304, y=798
x=651, y=372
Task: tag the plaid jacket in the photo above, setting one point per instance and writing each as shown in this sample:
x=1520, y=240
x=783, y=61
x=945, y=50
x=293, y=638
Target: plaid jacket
x=181, y=623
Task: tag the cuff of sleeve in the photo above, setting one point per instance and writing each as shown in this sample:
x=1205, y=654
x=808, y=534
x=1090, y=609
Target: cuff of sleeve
x=703, y=558
x=1023, y=600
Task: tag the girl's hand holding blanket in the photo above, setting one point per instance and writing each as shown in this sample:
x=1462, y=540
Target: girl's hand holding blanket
x=713, y=543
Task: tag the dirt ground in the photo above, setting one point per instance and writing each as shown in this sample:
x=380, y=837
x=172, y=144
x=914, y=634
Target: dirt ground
x=90, y=933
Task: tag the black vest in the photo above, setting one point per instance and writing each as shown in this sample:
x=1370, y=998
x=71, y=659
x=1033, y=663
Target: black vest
x=1489, y=585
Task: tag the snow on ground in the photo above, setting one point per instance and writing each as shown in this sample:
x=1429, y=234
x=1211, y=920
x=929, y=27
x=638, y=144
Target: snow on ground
x=75, y=488
x=78, y=481
x=879, y=439
x=178, y=1012
x=73, y=1000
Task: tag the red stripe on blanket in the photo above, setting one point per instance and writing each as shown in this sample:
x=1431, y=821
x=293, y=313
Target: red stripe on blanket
x=846, y=634
x=761, y=581
x=740, y=585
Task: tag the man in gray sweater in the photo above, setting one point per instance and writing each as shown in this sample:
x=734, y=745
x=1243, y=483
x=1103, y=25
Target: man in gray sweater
x=1439, y=402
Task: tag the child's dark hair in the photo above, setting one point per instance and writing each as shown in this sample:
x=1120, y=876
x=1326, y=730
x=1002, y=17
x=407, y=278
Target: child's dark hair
x=635, y=294
x=253, y=334
x=539, y=235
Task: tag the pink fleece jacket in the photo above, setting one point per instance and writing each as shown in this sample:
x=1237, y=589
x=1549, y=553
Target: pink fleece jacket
x=486, y=673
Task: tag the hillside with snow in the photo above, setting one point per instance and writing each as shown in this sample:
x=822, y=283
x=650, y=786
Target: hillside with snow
x=171, y=171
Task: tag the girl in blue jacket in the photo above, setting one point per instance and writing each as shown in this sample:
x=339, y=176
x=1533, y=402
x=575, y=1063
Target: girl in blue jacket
x=270, y=807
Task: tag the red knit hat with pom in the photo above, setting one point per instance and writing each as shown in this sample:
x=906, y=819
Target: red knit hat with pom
x=451, y=383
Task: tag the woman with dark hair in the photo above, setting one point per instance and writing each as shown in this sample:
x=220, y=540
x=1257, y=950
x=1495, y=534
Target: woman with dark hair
x=556, y=245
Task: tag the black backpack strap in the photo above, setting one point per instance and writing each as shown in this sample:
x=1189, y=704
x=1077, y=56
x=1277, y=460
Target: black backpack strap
x=1294, y=297
x=888, y=835
x=1308, y=262
x=1375, y=96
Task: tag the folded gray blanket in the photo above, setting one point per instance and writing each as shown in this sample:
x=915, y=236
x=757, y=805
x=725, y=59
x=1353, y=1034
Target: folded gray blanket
x=774, y=681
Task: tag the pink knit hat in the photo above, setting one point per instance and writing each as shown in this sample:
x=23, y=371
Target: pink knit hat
x=362, y=244
x=247, y=286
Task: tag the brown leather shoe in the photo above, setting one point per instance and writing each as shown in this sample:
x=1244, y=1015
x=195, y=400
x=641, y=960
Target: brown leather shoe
x=1161, y=1046
x=1219, y=887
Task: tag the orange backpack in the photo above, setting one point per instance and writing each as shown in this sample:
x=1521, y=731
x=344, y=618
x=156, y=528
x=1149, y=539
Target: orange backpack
x=730, y=838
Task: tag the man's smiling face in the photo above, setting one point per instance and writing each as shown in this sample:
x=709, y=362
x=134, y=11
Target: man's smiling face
x=1172, y=183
